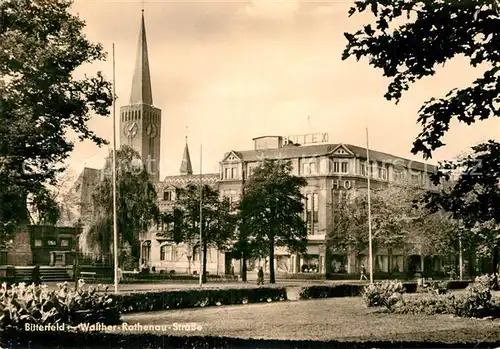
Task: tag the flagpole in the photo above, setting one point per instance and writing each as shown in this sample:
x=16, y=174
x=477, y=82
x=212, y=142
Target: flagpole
x=368, y=173
x=460, y=257
x=115, y=230
x=201, y=216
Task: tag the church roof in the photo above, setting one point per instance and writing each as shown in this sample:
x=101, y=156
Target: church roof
x=182, y=180
x=141, y=83
x=186, y=167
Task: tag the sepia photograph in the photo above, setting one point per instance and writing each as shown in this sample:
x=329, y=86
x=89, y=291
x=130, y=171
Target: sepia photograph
x=249, y=174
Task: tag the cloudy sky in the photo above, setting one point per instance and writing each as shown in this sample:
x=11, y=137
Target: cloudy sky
x=231, y=71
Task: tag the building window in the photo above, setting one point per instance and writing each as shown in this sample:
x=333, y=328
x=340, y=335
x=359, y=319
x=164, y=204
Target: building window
x=372, y=170
x=51, y=242
x=196, y=254
x=168, y=253
x=64, y=243
x=251, y=169
x=312, y=209
x=398, y=176
x=162, y=252
x=38, y=243
x=344, y=168
x=364, y=168
x=310, y=166
x=167, y=195
x=230, y=172
x=415, y=178
x=339, y=166
x=382, y=173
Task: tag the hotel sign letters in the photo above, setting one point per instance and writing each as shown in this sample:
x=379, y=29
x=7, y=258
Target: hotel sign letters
x=342, y=184
x=309, y=138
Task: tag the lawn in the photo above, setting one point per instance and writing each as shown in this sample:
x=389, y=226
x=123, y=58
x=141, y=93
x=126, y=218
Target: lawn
x=326, y=319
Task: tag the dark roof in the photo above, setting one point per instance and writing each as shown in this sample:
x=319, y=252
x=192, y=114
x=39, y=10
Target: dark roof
x=89, y=175
x=186, y=167
x=291, y=152
x=185, y=179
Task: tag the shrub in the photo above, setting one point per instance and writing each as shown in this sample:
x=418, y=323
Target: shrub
x=37, y=305
x=385, y=294
x=434, y=304
x=477, y=301
x=474, y=302
x=182, y=299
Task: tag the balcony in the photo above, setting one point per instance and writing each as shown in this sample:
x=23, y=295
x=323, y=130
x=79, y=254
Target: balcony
x=317, y=237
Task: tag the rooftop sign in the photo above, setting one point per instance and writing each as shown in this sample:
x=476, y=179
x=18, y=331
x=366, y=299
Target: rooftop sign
x=308, y=138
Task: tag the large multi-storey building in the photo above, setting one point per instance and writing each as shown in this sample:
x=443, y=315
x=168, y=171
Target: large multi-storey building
x=330, y=169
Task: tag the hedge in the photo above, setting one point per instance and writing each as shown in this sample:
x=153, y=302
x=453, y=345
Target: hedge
x=194, y=298
x=457, y=285
x=341, y=290
x=153, y=341
x=329, y=291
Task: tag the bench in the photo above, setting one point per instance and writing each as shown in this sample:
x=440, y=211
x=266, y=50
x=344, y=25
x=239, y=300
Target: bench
x=88, y=275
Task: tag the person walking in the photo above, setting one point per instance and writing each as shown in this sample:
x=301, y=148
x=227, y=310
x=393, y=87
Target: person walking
x=36, y=276
x=363, y=273
x=260, y=276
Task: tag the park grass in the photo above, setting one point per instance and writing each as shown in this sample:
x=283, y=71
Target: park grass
x=341, y=319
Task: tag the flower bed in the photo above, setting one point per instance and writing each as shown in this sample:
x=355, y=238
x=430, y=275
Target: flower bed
x=193, y=298
x=31, y=306
x=477, y=301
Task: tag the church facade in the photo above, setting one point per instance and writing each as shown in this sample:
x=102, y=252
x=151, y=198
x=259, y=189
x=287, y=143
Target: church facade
x=330, y=169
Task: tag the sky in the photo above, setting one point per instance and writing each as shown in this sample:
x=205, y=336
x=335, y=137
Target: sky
x=226, y=72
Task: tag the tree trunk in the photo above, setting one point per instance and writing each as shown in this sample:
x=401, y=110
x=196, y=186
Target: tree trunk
x=495, y=265
x=243, y=267
x=204, y=261
x=389, y=260
x=328, y=259
x=472, y=264
x=272, y=278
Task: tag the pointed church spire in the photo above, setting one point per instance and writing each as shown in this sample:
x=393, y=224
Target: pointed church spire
x=141, y=84
x=186, y=167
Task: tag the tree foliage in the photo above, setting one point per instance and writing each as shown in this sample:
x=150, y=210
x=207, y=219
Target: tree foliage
x=57, y=205
x=397, y=219
x=272, y=208
x=217, y=219
x=41, y=45
x=474, y=198
x=137, y=208
x=433, y=33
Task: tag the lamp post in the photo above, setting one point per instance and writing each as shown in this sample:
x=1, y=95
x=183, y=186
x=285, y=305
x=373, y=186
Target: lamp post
x=189, y=256
x=368, y=175
x=115, y=229
x=201, y=217
x=460, y=256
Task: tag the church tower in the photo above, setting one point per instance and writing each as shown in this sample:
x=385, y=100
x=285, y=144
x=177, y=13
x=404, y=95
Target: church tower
x=140, y=121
